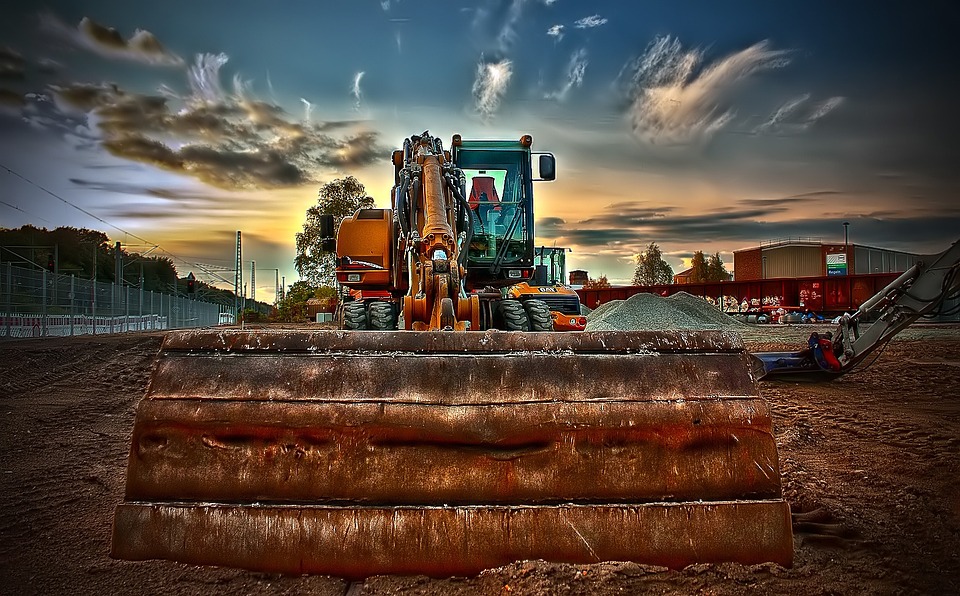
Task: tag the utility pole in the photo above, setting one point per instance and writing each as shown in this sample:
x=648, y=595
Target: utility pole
x=238, y=279
x=253, y=282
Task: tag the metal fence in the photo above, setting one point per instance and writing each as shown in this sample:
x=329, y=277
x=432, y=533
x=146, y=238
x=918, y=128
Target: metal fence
x=43, y=304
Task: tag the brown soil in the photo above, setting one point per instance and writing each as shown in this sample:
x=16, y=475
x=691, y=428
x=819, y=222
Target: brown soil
x=871, y=468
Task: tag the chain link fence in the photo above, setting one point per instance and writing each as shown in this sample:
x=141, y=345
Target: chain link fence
x=43, y=304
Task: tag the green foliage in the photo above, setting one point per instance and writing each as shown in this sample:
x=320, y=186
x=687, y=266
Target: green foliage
x=698, y=268
x=652, y=269
x=293, y=307
x=716, y=270
x=251, y=315
x=340, y=198
x=76, y=250
x=600, y=282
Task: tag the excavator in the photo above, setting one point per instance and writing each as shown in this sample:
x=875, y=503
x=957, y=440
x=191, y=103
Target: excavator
x=433, y=434
x=549, y=285
x=927, y=289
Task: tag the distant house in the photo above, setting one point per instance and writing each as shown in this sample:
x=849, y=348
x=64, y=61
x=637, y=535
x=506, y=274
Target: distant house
x=683, y=277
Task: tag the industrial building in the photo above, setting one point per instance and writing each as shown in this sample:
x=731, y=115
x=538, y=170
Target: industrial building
x=809, y=257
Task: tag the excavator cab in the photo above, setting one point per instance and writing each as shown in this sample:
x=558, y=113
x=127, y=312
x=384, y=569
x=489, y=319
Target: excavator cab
x=500, y=184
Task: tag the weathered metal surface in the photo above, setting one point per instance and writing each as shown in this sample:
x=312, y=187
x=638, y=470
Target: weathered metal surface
x=357, y=542
x=325, y=430
x=233, y=340
x=453, y=379
x=409, y=453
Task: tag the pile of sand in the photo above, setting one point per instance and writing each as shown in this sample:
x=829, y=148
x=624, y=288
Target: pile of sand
x=651, y=312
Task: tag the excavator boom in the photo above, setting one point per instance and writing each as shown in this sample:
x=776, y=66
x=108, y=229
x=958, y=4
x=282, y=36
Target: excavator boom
x=923, y=290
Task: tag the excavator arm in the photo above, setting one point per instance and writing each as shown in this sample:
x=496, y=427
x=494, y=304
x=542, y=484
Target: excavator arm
x=432, y=214
x=921, y=291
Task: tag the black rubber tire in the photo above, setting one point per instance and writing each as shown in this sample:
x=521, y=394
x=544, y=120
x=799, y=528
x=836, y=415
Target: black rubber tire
x=354, y=316
x=510, y=316
x=382, y=316
x=538, y=314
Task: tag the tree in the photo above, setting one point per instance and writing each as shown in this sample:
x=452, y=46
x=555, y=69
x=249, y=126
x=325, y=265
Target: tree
x=293, y=307
x=715, y=269
x=698, y=268
x=600, y=282
x=339, y=198
x=651, y=268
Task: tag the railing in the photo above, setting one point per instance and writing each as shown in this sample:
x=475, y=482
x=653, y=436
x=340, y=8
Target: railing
x=43, y=304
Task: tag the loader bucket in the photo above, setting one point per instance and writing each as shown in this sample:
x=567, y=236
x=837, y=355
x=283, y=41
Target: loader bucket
x=441, y=453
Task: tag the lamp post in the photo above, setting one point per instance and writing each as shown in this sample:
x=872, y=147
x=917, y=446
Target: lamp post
x=846, y=255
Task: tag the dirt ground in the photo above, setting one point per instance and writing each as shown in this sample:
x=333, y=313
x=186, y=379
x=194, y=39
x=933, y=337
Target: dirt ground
x=871, y=468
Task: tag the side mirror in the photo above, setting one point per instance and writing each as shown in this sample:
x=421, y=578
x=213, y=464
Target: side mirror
x=548, y=167
x=328, y=244
x=326, y=226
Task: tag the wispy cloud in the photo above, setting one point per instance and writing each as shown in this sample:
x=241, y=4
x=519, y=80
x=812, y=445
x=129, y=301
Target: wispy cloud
x=590, y=22
x=355, y=90
x=576, y=68
x=227, y=139
x=675, y=99
x=556, y=31
x=797, y=114
x=307, y=109
x=142, y=47
x=490, y=85
x=508, y=32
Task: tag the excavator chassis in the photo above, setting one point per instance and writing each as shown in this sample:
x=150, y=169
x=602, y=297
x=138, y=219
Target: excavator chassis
x=440, y=453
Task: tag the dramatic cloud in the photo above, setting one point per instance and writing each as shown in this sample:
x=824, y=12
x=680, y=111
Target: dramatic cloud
x=624, y=229
x=675, y=99
x=228, y=140
x=556, y=31
x=796, y=115
x=576, y=68
x=11, y=64
x=11, y=102
x=590, y=22
x=355, y=90
x=490, y=85
x=106, y=41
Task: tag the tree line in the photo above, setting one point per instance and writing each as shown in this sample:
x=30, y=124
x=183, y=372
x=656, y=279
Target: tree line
x=653, y=270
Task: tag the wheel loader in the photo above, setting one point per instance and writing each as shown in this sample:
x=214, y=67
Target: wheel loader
x=432, y=435
x=549, y=285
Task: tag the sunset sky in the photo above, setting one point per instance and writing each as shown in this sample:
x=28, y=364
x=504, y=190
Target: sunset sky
x=697, y=125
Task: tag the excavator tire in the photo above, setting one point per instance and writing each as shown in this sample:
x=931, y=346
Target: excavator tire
x=383, y=316
x=510, y=316
x=354, y=316
x=538, y=313
x=447, y=453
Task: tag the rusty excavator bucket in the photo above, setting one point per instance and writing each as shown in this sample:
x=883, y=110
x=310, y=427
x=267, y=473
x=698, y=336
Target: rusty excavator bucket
x=441, y=453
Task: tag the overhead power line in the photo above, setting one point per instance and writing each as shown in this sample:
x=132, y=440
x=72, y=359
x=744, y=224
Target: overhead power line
x=105, y=222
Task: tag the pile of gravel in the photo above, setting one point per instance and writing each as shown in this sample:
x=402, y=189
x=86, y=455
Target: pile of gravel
x=652, y=312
